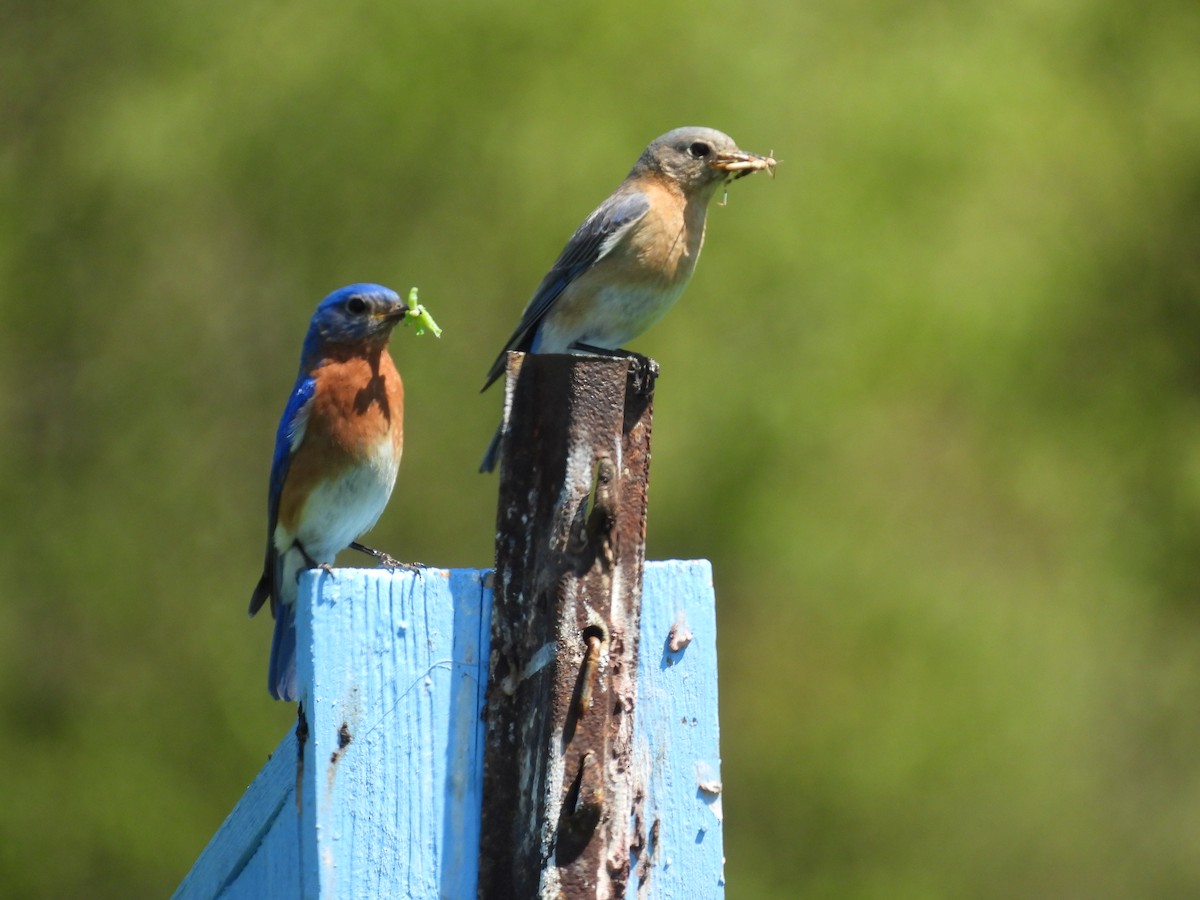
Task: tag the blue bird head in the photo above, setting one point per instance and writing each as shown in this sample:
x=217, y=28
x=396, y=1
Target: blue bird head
x=352, y=316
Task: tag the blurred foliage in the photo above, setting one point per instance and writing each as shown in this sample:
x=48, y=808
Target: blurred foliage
x=947, y=466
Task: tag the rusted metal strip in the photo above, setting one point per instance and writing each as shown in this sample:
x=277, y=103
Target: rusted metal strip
x=570, y=546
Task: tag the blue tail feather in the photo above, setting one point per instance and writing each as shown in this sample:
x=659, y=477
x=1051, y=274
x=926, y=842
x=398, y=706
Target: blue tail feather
x=281, y=675
x=492, y=455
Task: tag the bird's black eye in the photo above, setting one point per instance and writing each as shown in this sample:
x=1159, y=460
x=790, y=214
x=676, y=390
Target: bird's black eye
x=699, y=149
x=356, y=306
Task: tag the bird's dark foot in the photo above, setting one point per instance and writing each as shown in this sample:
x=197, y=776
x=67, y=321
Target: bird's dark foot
x=645, y=363
x=386, y=560
x=645, y=370
x=611, y=353
x=309, y=562
x=383, y=558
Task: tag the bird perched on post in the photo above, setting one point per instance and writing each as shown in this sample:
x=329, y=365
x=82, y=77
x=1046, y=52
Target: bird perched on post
x=337, y=452
x=632, y=257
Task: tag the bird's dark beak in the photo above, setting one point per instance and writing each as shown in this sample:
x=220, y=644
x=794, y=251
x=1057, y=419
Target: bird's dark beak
x=738, y=164
x=396, y=312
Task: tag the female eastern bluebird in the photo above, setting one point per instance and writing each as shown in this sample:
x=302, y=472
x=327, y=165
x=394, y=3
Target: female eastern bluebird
x=337, y=451
x=633, y=256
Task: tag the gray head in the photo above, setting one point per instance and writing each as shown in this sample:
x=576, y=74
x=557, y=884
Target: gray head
x=699, y=159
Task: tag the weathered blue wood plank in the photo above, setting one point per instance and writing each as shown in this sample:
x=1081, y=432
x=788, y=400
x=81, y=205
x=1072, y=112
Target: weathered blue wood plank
x=678, y=828
x=401, y=660
x=464, y=777
x=254, y=843
x=392, y=686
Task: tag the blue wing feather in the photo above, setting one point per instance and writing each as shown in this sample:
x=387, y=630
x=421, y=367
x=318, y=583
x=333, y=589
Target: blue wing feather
x=295, y=417
x=594, y=238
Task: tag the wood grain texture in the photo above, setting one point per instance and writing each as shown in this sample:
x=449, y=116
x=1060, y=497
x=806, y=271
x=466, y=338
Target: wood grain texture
x=678, y=823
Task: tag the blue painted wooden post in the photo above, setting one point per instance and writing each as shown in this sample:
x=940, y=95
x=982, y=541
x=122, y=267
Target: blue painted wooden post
x=386, y=800
x=389, y=804
x=400, y=660
x=678, y=828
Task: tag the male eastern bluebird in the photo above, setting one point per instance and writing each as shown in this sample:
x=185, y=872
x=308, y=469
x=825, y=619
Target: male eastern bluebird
x=632, y=257
x=337, y=451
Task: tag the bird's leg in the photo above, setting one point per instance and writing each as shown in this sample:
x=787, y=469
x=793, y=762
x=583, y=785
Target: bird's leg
x=383, y=558
x=311, y=563
x=618, y=353
x=644, y=362
x=386, y=560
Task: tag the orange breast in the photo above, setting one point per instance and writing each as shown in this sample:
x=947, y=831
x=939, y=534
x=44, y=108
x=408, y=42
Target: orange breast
x=665, y=247
x=637, y=281
x=357, y=404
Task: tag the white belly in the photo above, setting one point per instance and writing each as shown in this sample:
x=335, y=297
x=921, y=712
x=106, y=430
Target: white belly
x=619, y=315
x=337, y=511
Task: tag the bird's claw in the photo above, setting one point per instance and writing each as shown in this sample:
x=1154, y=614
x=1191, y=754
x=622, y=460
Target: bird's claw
x=386, y=560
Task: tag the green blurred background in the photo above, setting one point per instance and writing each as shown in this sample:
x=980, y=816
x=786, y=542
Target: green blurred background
x=931, y=404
